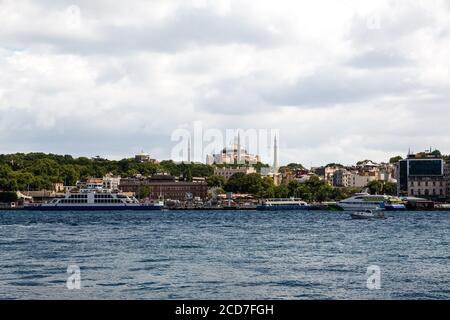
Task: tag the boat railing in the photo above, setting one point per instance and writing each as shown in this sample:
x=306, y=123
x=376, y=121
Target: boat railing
x=283, y=199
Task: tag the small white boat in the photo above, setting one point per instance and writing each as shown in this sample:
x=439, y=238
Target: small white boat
x=368, y=214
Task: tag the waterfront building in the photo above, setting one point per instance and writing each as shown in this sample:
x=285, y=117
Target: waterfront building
x=91, y=183
x=58, y=187
x=227, y=173
x=167, y=187
x=300, y=175
x=276, y=176
x=387, y=172
x=357, y=176
x=111, y=182
x=346, y=178
x=383, y=171
x=305, y=177
x=327, y=173
x=423, y=175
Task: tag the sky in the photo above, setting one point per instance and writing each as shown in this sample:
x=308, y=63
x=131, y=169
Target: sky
x=342, y=81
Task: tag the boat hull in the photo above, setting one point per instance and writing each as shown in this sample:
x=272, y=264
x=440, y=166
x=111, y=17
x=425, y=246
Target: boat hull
x=396, y=207
x=360, y=207
x=94, y=208
x=283, y=208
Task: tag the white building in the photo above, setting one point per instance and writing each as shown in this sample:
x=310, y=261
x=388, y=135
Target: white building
x=233, y=155
x=346, y=178
x=111, y=182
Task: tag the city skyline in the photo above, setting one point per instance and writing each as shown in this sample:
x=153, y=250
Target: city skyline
x=345, y=84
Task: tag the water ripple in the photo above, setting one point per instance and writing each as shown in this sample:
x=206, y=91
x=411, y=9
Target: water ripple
x=223, y=255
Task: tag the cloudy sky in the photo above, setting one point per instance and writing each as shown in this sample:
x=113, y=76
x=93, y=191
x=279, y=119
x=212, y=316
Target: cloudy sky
x=342, y=80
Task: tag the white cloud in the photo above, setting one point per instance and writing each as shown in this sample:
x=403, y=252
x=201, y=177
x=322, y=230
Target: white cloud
x=343, y=81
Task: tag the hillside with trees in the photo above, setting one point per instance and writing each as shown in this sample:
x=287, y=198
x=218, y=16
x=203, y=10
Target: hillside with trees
x=38, y=171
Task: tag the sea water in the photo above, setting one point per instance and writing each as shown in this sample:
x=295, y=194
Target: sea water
x=223, y=255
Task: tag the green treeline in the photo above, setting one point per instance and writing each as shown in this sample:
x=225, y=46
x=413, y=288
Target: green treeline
x=38, y=171
x=313, y=190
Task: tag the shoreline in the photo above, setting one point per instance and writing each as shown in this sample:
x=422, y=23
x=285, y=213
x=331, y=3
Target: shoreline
x=222, y=209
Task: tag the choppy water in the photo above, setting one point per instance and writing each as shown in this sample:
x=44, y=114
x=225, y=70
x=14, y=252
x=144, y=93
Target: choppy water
x=223, y=255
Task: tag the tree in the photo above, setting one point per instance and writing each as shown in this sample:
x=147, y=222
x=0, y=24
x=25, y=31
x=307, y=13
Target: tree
x=334, y=165
x=292, y=167
x=303, y=192
x=395, y=160
x=361, y=162
x=70, y=174
x=251, y=183
x=390, y=188
x=259, y=166
x=282, y=192
x=343, y=193
x=234, y=183
x=293, y=186
x=267, y=189
x=189, y=175
x=216, y=181
x=144, y=192
x=323, y=193
x=170, y=167
x=45, y=167
x=436, y=153
x=382, y=187
x=375, y=187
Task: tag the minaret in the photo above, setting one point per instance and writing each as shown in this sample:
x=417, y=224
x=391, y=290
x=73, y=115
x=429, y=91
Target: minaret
x=275, y=154
x=189, y=151
x=239, y=149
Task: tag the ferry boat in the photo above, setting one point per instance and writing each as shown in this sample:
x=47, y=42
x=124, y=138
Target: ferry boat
x=395, y=204
x=365, y=201
x=94, y=199
x=283, y=204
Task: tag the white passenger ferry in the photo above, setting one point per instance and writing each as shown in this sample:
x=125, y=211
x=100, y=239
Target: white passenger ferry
x=283, y=204
x=365, y=201
x=94, y=199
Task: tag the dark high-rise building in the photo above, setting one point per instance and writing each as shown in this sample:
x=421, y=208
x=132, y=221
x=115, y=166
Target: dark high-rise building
x=422, y=175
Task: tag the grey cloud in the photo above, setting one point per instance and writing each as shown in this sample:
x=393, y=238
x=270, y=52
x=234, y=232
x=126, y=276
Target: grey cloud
x=232, y=96
x=185, y=28
x=74, y=135
x=327, y=87
x=332, y=86
x=378, y=59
